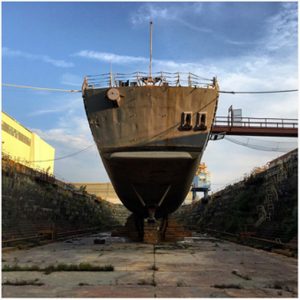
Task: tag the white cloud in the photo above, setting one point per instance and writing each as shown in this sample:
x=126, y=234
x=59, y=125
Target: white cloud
x=272, y=66
x=147, y=12
x=169, y=11
x=111, y=57
x=239, y=43
x=229, y=163
x=55, y=62
x=64, y=104
x=174, y=13
x=70, y=135
x=263, y=69
x=283, y=28
x=168, y=65
x=72, y=80
x=193, y=27
x=256, y=72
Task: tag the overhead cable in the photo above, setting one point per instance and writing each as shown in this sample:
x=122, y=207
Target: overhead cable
x=40, y=88
x=63, y=157
x=79, y=91
x=259, y=92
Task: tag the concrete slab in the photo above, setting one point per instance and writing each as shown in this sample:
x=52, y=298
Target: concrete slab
x=199, y=267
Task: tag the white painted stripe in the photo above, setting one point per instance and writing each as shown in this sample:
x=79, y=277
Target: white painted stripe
x=152, y=154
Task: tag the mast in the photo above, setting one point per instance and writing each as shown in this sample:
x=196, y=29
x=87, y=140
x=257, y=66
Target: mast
x=150, y=64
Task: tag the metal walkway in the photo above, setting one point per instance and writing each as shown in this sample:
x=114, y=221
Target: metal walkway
x=256, y=126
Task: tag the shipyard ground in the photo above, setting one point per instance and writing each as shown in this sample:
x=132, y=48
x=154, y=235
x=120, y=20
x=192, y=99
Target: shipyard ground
x=200, y=266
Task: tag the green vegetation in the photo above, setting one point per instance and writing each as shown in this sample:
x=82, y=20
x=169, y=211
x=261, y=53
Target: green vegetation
x=236, y=209
x=227, y=286
x=154, y=267
x=35, y=282
x=145, y=282
x=180, y=283
x=81, y=267
x=38, y=204
x=142, y=282
x=60, y=268
x=246, y=277
x=278, y=285
x=83, y=284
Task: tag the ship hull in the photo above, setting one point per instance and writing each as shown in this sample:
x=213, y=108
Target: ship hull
x=161, y=181
x=149, y=156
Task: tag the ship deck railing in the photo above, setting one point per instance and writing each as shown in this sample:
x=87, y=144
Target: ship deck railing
x=143, y=79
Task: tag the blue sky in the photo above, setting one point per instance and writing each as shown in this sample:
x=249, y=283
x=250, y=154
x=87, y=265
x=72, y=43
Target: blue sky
x=248, y=46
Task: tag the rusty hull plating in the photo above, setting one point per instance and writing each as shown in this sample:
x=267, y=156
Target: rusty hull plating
x=151, y=139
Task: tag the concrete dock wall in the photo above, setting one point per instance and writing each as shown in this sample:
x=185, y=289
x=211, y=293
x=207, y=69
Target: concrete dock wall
x=33, y=202
x=264, y=203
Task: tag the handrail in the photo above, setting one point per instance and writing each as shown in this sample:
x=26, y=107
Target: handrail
x=256, y=122
x=142, y=79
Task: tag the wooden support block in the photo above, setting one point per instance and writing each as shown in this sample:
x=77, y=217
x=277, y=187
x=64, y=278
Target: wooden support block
x=151, y=233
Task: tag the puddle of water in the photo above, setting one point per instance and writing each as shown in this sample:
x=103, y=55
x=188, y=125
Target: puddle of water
x=108, y=238
x=116, y=239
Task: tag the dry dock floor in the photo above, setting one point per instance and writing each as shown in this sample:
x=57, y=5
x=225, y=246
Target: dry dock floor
x=201, y=266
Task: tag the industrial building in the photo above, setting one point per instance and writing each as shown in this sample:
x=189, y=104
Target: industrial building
x=26, y=147
x=103, y=190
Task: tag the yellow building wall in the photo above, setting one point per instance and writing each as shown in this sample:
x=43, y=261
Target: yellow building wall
x=41, y=153
x=26, y=147
x=104, y=190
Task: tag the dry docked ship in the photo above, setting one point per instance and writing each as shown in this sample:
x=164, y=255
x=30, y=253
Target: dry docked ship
x=151, y=135
x=151, y=131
